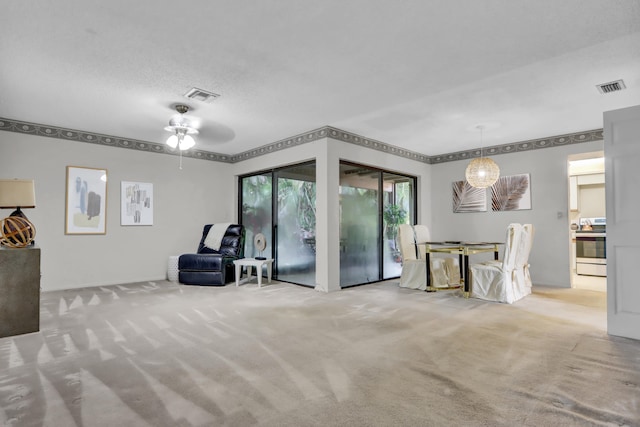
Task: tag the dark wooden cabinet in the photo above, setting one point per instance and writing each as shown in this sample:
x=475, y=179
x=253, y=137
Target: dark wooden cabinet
x=19, y=291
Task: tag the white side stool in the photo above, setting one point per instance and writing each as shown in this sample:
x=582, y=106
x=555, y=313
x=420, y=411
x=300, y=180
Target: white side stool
x=172, y=268
x=252, y=262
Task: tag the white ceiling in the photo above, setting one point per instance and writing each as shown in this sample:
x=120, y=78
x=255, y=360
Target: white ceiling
x=417, y=74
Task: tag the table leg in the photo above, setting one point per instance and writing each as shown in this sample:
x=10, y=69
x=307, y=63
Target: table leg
x=427, y=259
x=269, y=268
x=238, y=270
x=466, y=274
x=259, y=273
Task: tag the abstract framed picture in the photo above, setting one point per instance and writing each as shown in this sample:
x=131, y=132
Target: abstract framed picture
x=136, y=203
x=511, y=193
x=467, y=198
x=86, y=204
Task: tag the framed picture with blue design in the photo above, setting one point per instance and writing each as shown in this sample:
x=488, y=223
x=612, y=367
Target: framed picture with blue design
x=86, y=201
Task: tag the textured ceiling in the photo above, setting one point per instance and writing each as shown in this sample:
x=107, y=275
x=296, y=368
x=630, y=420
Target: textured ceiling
x=416, y=74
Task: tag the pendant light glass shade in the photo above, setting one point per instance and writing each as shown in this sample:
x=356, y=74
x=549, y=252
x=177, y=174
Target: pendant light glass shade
x=482, y=172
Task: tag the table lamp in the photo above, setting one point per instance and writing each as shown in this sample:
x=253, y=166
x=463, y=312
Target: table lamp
x=16, y=230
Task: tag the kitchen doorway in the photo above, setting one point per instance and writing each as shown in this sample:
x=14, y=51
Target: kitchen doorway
x=587, y=221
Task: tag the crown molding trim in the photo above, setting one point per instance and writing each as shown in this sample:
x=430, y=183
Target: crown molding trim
x=303, y=138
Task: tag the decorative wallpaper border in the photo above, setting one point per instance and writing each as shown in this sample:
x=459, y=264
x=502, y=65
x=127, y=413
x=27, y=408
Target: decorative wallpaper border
x=532, y=144
x=303, y=138
x=352, y=138
x=283, y=144
x=107, y=140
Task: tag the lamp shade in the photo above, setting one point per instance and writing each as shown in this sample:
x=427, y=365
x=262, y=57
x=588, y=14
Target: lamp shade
x=482, y=172
x=17, y=193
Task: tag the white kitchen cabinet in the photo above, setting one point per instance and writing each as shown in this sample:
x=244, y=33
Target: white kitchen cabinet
x=591, y=179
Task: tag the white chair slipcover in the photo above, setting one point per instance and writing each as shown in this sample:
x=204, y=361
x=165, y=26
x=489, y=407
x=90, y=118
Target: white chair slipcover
x=522, y=285
x=497, y=282
x=414, y=275
x=446, y=270
x=452, y=270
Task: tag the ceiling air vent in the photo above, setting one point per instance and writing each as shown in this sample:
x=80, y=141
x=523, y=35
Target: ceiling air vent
x=611, y=87
x=201, y=95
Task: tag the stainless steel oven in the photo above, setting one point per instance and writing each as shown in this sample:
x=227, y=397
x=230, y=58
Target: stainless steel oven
x=591, y=249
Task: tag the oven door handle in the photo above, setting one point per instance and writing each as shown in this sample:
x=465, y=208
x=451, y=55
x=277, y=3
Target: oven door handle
x=587, y=235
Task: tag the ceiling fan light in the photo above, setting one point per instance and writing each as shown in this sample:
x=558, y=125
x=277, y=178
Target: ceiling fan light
x=482, y=172
x=187, y=142
x=172, y=141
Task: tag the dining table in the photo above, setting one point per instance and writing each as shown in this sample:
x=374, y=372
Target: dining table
x=463, y=250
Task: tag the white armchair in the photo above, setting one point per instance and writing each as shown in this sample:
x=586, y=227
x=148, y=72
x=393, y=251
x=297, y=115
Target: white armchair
x=497, y=281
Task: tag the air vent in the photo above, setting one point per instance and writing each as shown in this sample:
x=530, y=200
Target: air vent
x=201, y=95
x=611, y=87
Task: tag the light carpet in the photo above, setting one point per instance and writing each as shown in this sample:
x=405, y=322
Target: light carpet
x=162, y=354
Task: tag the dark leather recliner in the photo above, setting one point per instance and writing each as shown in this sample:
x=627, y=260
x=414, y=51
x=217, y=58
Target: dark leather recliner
x=211, y=267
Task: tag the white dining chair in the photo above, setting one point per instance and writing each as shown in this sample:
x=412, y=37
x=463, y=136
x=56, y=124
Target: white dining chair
x=414, y=274
x=445, y=271
x=522, y=284
x=495, y=282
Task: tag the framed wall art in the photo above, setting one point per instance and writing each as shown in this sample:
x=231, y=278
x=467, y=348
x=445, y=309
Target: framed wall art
x=86, y=204
x=136, y=203
x=511, y=193
x=467, y=198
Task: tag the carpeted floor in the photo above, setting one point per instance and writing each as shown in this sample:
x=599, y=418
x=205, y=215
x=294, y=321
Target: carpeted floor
x=161, y=354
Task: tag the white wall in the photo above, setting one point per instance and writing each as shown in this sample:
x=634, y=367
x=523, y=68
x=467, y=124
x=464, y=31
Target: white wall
x=549, y=190
x=184, y=201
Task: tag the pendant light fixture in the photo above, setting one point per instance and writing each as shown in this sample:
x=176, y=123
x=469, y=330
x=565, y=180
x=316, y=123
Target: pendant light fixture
x=482, y=172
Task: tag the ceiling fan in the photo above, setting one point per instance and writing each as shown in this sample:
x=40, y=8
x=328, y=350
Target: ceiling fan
x=182, y=130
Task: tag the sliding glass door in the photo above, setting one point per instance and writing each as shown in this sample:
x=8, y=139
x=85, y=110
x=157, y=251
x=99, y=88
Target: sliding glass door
x=256, y=212
x=295, y=224
x=359, y=225
x=398, y=208
x=372, y=205
x=281, y=204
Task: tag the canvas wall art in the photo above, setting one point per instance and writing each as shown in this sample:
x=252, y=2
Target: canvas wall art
x=86, y=204
x=468, y=199
x=136, y=204
x=511, y=193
